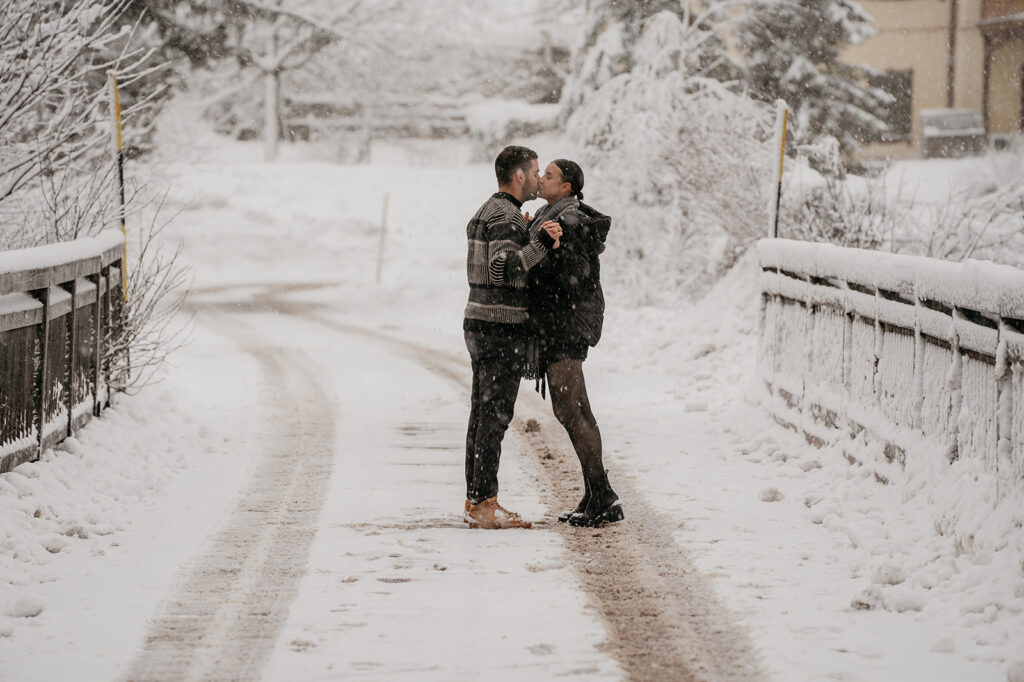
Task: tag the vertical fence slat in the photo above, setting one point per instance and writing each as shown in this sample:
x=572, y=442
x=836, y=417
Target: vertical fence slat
x=918, y=391
x=41, y=387
x=97, y=340
x=120, y=312
x=956, y=391
x=71, y=377
x=108, y=333
x=1004, y=412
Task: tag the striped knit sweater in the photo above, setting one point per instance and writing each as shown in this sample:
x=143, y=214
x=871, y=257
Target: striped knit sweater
x=500, y=255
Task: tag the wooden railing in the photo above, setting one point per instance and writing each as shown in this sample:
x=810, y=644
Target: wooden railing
x=893, y=357
x=60, y=306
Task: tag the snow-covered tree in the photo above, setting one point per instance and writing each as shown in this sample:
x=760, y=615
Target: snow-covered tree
x=612, y=29
x=675, y=156
x=791, y=51
x=268, y=38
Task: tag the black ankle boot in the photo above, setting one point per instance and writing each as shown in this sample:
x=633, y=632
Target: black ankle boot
x=604, y=506
x=581, y=507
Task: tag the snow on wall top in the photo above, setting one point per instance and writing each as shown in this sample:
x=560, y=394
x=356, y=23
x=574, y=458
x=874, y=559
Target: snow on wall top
x=53, y=255
x=977, y=285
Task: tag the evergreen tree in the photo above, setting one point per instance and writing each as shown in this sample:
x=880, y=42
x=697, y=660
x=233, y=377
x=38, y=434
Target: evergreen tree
x=612, y=29
x=791, y=51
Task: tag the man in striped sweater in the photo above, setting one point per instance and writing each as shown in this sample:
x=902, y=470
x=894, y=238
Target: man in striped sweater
x=500, y=255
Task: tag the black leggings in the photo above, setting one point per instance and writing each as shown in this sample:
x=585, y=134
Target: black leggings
x=572, y=409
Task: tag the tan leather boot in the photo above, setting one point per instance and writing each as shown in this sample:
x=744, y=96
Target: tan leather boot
x=489, y=514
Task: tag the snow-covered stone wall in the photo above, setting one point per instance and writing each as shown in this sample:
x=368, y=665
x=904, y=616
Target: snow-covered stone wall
x=891, y=357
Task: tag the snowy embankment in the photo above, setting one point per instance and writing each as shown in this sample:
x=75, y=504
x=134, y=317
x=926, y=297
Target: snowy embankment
x=835, y=573
x=791, y=536
x=91, y=535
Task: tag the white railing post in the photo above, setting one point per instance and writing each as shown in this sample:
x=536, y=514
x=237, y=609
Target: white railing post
x=917, y=396
x=1004, y=410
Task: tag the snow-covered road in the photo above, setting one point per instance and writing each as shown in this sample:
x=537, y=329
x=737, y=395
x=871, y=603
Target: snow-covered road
x=395, y=583
x=742, y=553
x=225, y=612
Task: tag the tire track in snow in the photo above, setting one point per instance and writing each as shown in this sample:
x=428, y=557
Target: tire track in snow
x=664, y=622
x=224, y=617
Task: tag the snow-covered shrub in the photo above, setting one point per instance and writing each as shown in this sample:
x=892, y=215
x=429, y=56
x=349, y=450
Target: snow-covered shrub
x=678, y=159
x=822, y=202
x=157, y=285
x=977, y=212
x=983, y=220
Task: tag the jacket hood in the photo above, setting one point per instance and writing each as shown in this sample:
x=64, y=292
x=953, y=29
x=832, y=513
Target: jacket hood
x=594, y=224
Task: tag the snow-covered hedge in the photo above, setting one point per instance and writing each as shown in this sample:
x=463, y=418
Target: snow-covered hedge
x=897, y=359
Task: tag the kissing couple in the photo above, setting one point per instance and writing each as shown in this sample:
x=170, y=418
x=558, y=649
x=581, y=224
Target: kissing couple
x=535, y=308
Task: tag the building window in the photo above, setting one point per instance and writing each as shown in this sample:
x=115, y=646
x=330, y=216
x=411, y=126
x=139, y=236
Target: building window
x=899, y=114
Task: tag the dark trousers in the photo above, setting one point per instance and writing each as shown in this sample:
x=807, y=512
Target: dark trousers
x=497, y=369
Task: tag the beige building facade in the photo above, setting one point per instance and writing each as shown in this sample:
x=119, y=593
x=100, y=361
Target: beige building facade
x=946, y=54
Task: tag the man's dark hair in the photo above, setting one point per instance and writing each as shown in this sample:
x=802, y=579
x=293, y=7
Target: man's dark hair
x=510, y=160
x=573, y=174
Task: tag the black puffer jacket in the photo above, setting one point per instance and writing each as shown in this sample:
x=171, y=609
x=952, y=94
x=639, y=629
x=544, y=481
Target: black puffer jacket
x=566, y=304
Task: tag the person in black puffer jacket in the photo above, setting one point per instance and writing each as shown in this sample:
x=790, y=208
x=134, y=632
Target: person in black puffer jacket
x=566, y=312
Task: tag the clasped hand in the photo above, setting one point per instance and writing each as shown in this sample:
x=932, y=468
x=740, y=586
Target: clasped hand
x=554, y=230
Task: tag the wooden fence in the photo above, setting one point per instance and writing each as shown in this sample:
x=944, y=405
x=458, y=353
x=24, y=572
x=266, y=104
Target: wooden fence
x=890, y=356
x=60, y=306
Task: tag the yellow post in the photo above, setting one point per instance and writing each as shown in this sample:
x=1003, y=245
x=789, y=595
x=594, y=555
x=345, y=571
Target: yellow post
x=781, y=119
x=115, y=116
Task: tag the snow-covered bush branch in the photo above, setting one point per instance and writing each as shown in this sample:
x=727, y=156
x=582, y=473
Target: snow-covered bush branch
x=836, y=207
x=979, y=216
x=976, y=222
x=156, y=290
x=54, y=113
